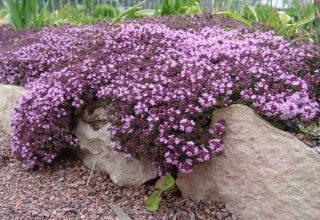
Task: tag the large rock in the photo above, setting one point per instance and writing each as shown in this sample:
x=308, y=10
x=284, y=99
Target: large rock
x=264, y=173
x=9, y=96
x=96, y=149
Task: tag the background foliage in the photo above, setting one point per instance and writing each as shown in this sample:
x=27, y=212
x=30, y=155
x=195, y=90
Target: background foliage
x=294, y=19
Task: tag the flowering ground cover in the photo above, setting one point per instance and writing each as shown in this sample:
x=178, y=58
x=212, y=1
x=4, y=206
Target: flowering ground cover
x=159, y=81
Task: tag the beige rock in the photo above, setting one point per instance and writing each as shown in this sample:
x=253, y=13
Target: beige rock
x=9, y=97
x=97, y=148
x=264, y=173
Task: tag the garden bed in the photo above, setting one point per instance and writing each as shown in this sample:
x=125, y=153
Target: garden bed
x=157, y=83
x=61, y=192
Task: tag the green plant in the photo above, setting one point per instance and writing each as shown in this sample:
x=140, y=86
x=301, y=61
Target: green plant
x=312, y=129
x=245, y=13
x=3, y=12
x=263, y=14
x=89, y=5
x=314, y=33
x=105, y=11
x=297, y=22
x=130, y=13
x=152, y=203
x=25, y=14
x=311, y=28
x=145, y=13
x=170, y=7
x=218, y=6
x=193, y=9
x=236, y=17
x=70, y=15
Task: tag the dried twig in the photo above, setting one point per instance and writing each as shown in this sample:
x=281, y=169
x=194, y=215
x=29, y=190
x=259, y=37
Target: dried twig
x=91, y=173
x=182, y=201
x=119, y=212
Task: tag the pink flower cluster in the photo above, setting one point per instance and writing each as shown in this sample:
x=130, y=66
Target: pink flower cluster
x=51, y=49
x=160, y=85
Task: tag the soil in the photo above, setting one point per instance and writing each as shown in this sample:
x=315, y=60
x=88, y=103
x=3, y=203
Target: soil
x=65, y=191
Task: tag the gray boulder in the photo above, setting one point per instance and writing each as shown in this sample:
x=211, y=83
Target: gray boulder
x=264, y=173
x=9, y=97
x=96, y=149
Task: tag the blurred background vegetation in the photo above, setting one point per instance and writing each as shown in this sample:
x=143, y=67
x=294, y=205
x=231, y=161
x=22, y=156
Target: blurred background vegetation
x=205, y=4
x=292, y=19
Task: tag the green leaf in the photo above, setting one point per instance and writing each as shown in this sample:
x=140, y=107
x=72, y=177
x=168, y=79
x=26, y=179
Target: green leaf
x=129, y=12
x=105, y=11
x=194, y=9
x=235, y=16
x=177, y=4
x=308, y=15
x=229, y=4
x=314, y=128
x=252, y=10
x=27, y=12
x=302, y=128
x=168, y=183
x=285, y=19
x=145, y=13
x=152, y=203
x=43, y=16
x=167, y=7
x=14, y=14
x=182, y=9
x=24, y=14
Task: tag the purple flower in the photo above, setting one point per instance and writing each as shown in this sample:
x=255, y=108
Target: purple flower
x=159, y=81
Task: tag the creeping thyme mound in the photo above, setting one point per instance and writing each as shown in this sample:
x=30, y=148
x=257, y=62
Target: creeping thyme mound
x=46, y=51
x=159, y=85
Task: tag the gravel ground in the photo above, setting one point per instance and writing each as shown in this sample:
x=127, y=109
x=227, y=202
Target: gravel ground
x=61, y=192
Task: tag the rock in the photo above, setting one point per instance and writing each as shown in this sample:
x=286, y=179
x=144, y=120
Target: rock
x=264, y=173
x=316, y=149
x=301, y=136
x=96, y=149
x=10, y=95
x=160, y=182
